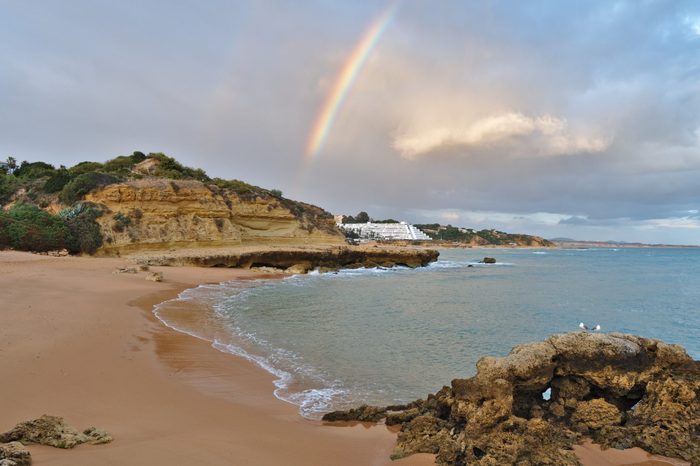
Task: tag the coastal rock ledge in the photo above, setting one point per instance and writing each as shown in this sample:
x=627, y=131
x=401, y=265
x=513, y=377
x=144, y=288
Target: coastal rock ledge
x=530, y=407
x=299, y=259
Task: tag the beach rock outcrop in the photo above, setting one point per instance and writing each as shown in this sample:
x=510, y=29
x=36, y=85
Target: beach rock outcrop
x=363, y=413
x=532, y=406
x=489, y=260
x=154, y=276
x=296, y=259
x=14, y=454
x=53, y=431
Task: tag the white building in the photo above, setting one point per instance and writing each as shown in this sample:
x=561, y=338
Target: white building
x=386, y=231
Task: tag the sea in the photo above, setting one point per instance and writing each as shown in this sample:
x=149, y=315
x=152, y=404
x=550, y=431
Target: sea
x=387, y=336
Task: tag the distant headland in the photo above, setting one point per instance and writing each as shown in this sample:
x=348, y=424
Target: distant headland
x=568, y=243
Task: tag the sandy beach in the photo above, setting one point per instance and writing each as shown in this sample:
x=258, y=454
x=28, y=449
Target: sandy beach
x=81, y=342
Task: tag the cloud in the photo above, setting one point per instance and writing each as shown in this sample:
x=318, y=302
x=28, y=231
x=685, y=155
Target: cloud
x=685, y=223
x=574, y=220
x=513, y=132
x=478, y=109
x=669, y=223
x=449, y=216
x=693, y=23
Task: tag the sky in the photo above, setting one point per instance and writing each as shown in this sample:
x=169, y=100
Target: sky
x=557, y=118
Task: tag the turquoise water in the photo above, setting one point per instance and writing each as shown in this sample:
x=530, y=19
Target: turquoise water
x=389, y=336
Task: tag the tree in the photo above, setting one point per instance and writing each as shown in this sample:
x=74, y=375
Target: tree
x=11, y=164
x=362, y=217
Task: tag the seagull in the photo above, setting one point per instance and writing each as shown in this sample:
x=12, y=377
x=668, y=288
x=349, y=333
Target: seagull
x=584, y=327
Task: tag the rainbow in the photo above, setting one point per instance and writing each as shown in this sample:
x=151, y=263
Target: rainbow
x=343, y=82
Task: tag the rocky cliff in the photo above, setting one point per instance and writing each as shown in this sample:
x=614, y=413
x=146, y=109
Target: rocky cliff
x=156, y=213
x=530, y=407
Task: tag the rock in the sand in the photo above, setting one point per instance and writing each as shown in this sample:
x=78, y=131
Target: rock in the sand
x=14, y=454
x=53, y=431
x=364, y=413
x=489, y=260
x=154, y=276
x=125, y=270
x=622, y=390
x=144, y=268
x=97, y=436
x=298, y=269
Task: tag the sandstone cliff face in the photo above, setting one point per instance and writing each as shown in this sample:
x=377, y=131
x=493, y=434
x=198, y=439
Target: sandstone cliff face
x=621, y=390
x=158, y=213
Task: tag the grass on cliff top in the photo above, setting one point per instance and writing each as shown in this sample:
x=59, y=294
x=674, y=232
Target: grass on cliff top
x=41, y=183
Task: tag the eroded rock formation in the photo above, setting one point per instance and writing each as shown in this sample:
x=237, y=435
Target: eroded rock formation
x=160, y=213
x=297, y=259
x=53, y=431
x=531, y=406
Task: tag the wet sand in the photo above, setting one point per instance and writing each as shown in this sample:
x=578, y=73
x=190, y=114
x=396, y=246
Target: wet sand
x=591, y=454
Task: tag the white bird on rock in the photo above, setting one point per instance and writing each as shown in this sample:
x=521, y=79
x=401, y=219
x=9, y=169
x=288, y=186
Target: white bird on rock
x=585, y=327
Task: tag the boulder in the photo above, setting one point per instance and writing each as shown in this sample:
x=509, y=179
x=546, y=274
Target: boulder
x=298, y=269
x=154, y=276
x=53, y=431
x=489, y=260
x=14, y=454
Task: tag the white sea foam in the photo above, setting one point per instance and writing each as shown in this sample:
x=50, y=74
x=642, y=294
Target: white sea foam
x=447, y=264
x=312, y=402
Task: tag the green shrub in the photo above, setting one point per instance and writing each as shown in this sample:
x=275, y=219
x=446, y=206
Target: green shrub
x=27, y=228
x=123, y=164
x=170, y=168
x=81, y=221
x=85, y=167
x=8, y=185
x=276, y=193
x=362, y=217
x=83, y=184
x=57, y=181
x=138, y=156
x=121, y=221
x=34, y=170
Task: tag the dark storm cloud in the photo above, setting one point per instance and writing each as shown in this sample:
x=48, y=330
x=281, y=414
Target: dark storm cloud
x=524, y=114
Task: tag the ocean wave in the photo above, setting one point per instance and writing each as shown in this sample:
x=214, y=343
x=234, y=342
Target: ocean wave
x=447, y=264
x=285, y=366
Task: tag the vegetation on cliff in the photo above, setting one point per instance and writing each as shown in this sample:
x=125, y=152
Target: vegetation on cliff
x=480, y=237
x=33, y=193
x=25, y=227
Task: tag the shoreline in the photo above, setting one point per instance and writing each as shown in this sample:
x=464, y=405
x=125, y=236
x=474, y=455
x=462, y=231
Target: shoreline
x=83, y=344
